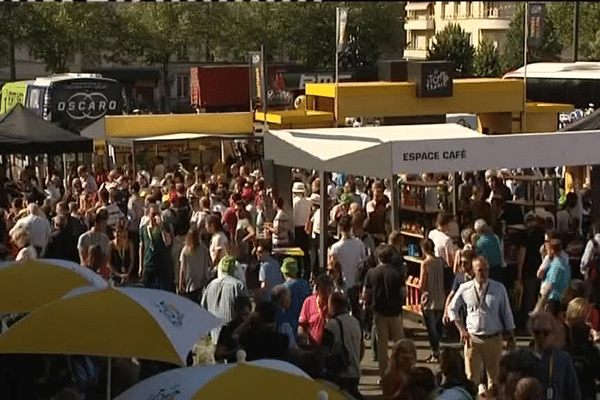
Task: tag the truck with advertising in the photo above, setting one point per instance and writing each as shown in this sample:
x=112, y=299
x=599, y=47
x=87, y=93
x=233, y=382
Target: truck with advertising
x=226, y=88
x=73, y=100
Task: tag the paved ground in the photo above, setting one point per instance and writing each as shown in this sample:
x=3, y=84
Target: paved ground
x=415, y=331
x=370, y=371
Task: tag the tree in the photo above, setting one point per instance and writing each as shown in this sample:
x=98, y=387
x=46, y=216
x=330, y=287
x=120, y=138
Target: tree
x=55, y=32
x=155, y=33
x=487, y=60
x=561, y=15
x=548, y=51
x=13, y=20
x=453, y=44
x=373, y=28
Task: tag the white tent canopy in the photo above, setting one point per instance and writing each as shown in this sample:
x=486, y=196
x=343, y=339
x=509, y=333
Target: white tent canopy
x=406, y=149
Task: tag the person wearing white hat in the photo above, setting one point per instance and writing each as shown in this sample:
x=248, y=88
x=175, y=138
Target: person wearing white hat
x=301, y=210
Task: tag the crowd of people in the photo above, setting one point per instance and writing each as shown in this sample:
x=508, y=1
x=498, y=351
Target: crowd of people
x=219, y=237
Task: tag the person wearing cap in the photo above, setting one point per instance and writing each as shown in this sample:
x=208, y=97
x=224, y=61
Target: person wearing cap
x=314, y=230
x=341, y=209
x=299, y=289
x=301, y=210
x=220, y=295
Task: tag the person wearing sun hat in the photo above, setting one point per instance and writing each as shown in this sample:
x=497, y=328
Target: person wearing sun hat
x=299, y=288
x=342, y=208
x=221, y=293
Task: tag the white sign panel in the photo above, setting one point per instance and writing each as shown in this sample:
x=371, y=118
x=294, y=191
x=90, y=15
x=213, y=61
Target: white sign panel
x=501, y=151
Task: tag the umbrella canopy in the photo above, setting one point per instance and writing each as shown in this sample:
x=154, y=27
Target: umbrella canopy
x=28, y=285
x=257, y=380
x=23, y=132
x=114, y=322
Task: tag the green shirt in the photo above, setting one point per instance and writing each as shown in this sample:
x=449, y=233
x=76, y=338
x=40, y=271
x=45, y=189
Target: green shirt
x=155, y=251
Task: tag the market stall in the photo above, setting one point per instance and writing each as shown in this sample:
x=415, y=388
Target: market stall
x=386, y=151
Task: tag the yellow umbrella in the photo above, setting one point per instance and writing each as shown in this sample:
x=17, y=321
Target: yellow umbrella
x=257, y=380
x=114, y=322
x=30, y=284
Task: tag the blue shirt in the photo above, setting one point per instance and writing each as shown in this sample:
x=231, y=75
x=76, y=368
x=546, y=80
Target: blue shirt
x=488, y=246
x=270, y=273
x=300, y=290
x=559, y=276
x=488, y=313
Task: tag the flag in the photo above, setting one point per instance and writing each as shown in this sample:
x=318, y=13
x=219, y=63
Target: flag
x=342, y=22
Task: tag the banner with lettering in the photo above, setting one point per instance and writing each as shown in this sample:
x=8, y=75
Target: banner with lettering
x=502, y=151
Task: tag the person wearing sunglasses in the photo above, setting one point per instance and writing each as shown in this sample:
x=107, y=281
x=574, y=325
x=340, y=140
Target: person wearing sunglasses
x=556, y=372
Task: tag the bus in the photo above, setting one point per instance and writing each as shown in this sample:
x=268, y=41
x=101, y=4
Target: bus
x=73, y=100
x=571, y=83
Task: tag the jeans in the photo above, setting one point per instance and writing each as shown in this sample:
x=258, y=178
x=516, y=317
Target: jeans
x=157, y=278
x=433, y=322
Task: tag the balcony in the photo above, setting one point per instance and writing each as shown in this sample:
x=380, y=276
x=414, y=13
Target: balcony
x=415, y=54
x=420, y=24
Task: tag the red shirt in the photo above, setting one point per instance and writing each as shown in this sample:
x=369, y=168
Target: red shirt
x=593, y=318
x=313, y=319
x=230, y=221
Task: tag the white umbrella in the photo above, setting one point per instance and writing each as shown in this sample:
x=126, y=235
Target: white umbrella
x=113, y=322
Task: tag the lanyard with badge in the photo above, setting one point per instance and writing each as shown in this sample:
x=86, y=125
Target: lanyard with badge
x=480, y=304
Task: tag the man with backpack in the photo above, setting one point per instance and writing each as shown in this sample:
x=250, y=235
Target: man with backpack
x=590, y=264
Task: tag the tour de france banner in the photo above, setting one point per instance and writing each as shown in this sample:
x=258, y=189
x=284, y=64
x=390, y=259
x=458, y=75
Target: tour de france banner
x=495, y=152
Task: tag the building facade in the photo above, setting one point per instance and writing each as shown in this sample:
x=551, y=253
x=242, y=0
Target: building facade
x=480, y=20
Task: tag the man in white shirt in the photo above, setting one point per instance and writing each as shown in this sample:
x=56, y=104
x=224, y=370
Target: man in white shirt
x=300, y=217
x=36, y=226
x=351, y=254
x=444, y=247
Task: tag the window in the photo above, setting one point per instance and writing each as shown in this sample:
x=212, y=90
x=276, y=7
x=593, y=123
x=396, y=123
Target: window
x=456, y=5
x=183, y=86
x=182, y=53
x=469, y=11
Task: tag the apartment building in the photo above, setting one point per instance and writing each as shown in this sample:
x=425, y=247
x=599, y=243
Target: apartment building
x=479, y=19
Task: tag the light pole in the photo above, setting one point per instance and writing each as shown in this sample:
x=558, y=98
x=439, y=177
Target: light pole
x=525, y=51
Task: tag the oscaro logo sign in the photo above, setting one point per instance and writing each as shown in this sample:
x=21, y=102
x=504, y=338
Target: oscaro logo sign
x=87, y=105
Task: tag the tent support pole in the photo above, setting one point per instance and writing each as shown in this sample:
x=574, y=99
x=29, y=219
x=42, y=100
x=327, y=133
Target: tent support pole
x=455, y=195
x=108, y=377
x=65, y=177
x=324, y=222
x=394, y=213
x=133, y=162
x=595, y=193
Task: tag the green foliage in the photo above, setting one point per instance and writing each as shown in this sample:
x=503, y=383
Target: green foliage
x=513, y=48
x=561, y=15
x=55, y=32
x=13, y=22
x=453, y=44
x=487, y=61
x=372, y=29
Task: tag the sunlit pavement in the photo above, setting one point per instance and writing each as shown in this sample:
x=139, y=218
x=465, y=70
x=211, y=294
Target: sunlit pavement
x=415, y=331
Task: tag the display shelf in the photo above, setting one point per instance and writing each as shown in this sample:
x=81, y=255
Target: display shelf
x=529, y=178
x=529, y=203
x=414, y=259
x=420, y=209
x=415, y=235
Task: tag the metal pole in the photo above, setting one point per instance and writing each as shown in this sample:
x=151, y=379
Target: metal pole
x=393, y=195
x=337, y=38
x=575, y=30
x=525, y=51
x=108, y=378
x=324, y=221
